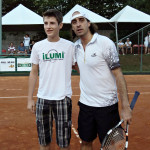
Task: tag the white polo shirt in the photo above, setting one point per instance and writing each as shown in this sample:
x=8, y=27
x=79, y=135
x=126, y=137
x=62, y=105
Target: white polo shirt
x=55, y=61
x=97, y=83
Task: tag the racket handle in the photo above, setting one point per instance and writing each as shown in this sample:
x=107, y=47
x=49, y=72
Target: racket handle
x=134, y=99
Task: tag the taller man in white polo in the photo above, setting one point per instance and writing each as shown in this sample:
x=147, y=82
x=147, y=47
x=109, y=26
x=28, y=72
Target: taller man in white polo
x=100, y=76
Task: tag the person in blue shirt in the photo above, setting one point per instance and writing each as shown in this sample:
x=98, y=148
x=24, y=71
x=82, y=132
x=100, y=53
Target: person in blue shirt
x=21, y=49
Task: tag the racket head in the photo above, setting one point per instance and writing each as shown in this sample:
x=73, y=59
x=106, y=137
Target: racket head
x=116, y=139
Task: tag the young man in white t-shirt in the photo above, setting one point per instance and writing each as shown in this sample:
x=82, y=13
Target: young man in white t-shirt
x=53, y=58
x=26, y=42
x=100, y=76
x=121, y=47
x=128, y=45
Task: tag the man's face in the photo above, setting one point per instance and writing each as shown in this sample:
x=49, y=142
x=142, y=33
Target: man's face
x=51, y=27
x=80, y=25
x=21, y=44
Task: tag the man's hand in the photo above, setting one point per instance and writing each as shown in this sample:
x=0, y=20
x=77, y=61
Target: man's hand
x=31, y=106
x=126, y=115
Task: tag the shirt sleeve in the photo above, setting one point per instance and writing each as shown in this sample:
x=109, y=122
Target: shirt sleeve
x=111, y=56
x=34, y=56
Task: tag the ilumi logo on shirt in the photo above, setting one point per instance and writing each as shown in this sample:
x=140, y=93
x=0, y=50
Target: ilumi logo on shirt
x=53, y=56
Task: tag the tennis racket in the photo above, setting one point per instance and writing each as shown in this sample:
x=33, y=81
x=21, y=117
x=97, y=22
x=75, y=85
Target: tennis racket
x=117, y=137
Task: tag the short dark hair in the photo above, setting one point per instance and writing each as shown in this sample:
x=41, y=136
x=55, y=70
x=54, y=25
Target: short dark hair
x=93, y=29
x=54, y=13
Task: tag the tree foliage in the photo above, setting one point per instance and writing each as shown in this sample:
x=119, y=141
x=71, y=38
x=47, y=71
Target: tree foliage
x=142, y=5
x=105, y=8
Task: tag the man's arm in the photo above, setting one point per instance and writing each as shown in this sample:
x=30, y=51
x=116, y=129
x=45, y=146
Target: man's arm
x=32, y=82
x=126, y=112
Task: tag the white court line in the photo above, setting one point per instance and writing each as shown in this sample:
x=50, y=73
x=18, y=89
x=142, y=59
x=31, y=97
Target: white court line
x=127, y=86
x=16, y=97
x=143, y=86
x=76, y=133
x=138, y=86
x=142, y=93
x=11, y=89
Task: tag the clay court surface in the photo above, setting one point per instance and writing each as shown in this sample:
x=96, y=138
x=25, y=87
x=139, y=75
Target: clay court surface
x=18, y=127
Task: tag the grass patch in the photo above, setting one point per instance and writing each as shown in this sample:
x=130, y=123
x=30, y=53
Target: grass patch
x=133, y=63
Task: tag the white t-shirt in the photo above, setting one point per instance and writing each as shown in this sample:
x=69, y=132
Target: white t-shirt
x=147, y=40
x=128, y=43
x=120, y=44
x=97, y=83
x=55, y=61
x=26, y=41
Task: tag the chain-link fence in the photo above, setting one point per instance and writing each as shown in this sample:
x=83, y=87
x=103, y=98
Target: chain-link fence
x=136, y=59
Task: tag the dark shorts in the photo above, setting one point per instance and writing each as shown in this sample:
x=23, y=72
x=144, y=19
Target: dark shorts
x=128, y=48
x=61, y=110
x=93, y=121
x=148, y=45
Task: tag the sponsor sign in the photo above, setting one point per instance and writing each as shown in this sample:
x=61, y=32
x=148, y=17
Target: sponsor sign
x=7, y=64
x=23, y=64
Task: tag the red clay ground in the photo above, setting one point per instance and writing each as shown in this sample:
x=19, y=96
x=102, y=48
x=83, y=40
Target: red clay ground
x=18, y=128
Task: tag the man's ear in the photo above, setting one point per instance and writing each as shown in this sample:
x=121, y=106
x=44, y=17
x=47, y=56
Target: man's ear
x=89, y=24
x=61, y=25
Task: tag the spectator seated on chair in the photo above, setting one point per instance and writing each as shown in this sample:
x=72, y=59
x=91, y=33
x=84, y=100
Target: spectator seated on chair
x=128, y=46
x=11, y=49
x=21, y=49
x=31, y=45
x=121, y=46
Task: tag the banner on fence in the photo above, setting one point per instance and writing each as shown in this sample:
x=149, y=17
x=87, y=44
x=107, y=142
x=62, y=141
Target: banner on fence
x=7, y=64
x=23, y=64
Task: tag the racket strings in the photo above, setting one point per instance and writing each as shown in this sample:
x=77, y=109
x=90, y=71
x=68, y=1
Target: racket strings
x=116, y=140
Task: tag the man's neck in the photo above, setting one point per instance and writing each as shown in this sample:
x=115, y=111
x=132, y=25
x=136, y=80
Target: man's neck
x=86, y=39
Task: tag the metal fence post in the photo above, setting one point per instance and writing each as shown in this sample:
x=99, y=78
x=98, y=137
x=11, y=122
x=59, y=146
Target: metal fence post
x=141, y=65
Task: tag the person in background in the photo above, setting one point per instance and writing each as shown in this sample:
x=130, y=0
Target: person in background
x=31, y=46
x=100, y=77
x=147, y=43
x=27, y=42
x=21, y=49
x=121, y=46
x=11, y=49
x=128, y=46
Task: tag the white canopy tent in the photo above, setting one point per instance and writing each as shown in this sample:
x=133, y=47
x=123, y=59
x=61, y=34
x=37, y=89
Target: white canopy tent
x=130, y=15
x=94, y=18
x=21, y=16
